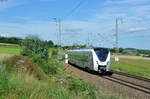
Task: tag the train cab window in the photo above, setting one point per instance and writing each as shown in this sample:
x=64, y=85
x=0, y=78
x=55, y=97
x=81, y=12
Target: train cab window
x=101, y=54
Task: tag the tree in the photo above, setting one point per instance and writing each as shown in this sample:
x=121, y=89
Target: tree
x=32, y=45
x=120, y=50
x=50, y=43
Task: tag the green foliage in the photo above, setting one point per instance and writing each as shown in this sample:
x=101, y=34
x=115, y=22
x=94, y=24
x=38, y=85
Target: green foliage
x=4, y=82
x=77, y=86
x=33, y=45
x=24, y=86
x=75, y=46
x=131, y=51
x=120, y=50
x=10, y=40
x=137, y=54
x=146, y=55
x=48, y=67
x=54, y=52
x=50, y=43
x=18, y=84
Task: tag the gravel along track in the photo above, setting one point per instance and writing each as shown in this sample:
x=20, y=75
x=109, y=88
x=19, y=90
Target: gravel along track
x=109, y=84
x=129, y=84
x=136, y=82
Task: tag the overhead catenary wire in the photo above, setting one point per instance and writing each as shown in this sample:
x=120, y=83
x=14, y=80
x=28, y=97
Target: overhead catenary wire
x=73, y=10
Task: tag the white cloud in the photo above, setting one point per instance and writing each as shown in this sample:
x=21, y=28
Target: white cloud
x=22, y=17
x=138, y=29
x=39, y=28
x=72, y=31
x=132, y=2
x=47, y=0
x=9, y=4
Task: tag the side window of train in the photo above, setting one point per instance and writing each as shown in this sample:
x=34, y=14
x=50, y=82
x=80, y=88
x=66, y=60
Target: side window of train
x=90, y=58
x=86, y=56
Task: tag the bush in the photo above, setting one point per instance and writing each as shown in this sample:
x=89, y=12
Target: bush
x=48, y=67
x=33, y=45
x=146, y=55
x=78, y=86
x=54, y=52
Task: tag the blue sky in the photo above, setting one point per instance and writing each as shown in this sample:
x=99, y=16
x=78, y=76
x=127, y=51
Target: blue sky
x=23, y=17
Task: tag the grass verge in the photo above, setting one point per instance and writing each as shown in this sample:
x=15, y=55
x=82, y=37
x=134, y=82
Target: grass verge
x=23, y=78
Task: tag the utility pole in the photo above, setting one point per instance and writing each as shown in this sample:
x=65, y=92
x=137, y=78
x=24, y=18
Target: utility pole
x=116, y=45
x=59, y=39
x=89, y=43
x=88, y=40
x=59, y=35
x=58, y=22
x=116, y=37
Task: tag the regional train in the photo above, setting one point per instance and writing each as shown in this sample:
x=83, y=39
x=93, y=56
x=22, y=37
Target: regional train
x=95, y=59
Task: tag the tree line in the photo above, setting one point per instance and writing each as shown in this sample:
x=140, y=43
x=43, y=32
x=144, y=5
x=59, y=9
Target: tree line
x=17, y=40
x=10, y=40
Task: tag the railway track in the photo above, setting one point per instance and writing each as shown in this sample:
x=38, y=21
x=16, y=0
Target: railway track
x=132, y=76
x=138, y=83
x=135, y=82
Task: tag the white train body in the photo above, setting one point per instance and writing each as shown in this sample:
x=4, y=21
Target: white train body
x=96, y=59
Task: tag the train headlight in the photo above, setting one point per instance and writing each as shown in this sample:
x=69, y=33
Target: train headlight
x=108, y=63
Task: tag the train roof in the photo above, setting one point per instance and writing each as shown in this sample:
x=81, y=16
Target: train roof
x=89, y=49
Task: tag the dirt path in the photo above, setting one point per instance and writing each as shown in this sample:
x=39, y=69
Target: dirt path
x=4, y=56
x=132, y=57
x=8, y=44
x=105, y=85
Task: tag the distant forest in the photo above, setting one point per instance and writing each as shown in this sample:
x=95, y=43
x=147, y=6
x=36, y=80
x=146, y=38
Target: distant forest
x=130, y=51
x=17, y=40
x=10, y=40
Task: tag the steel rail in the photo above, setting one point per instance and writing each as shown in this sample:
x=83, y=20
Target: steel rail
x=131, y=76
x=128, y=84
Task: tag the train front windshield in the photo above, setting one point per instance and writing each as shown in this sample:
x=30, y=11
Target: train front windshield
x=102, y=54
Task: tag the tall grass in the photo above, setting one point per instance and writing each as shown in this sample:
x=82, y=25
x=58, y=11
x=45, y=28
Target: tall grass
x=20, y=78
x=23, y=86
x=14, y=83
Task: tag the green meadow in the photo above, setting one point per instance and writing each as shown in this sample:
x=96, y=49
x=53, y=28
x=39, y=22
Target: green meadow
x=139, y=67
x=9, y=49
x=14, y=49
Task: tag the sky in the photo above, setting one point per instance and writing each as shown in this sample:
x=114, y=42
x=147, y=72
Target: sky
x=81, y=19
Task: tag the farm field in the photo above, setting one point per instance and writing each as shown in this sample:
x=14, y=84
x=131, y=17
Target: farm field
x=14, y=49
x=9, y=49
x=139, y=67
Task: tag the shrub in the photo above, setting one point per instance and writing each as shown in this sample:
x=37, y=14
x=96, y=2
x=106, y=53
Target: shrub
x=54, y=52
x=77, y=86
x=33, y=45
x=48, y=67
